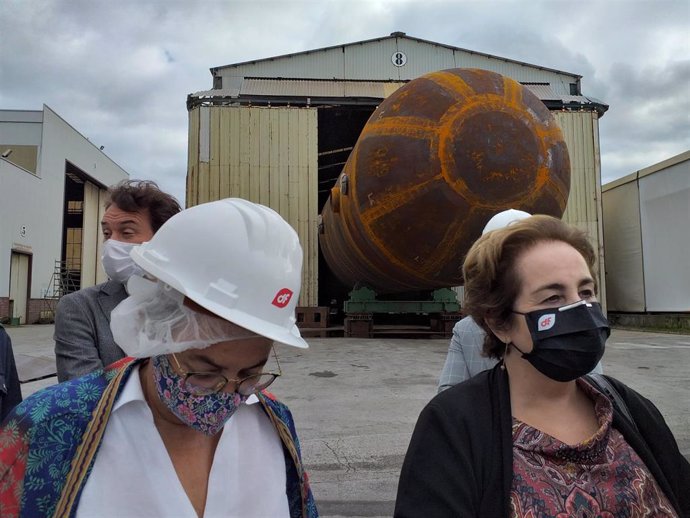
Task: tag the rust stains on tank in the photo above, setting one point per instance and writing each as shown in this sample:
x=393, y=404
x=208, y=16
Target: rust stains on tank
x=435, y=161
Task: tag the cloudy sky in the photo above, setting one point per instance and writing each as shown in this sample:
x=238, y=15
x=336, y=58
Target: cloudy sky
x=120, y=71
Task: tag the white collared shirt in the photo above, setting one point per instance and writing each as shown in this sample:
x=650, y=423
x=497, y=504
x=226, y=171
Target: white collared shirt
x=133, y=475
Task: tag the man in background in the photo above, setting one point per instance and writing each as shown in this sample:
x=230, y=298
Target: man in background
x=135, y=210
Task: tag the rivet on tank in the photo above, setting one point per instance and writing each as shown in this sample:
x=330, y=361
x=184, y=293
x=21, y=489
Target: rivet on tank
x=434, y=162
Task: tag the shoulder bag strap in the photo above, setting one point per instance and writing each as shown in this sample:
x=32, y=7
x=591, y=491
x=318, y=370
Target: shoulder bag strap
x=600, y=382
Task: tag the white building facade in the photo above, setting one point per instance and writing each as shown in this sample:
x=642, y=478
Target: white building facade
x=647, y=239
x=52, y=188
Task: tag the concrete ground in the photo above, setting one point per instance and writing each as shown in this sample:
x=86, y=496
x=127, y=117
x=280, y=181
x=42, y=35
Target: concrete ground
x=355, y=401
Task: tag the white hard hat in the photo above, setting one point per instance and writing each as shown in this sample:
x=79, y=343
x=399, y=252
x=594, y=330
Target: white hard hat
x=504, y=219
x=239, y=260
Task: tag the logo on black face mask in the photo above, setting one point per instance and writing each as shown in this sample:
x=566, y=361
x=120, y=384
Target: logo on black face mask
x=568, y=342
x=546, y=322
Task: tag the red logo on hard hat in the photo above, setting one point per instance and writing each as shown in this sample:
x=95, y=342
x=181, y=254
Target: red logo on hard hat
x=282, y=298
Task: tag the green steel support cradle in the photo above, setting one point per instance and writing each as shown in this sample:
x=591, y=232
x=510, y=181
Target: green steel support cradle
x=363, y=300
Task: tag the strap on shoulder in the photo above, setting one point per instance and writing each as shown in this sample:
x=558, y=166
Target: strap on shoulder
x=600, y=382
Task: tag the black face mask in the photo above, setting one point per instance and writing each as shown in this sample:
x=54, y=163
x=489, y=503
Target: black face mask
x=568, y=341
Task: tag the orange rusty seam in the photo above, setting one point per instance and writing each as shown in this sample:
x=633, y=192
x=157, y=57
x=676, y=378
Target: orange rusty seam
x=350, y=227
x=393, y=200
x=559, y=187
x=452, y=84
x=409, y=194
x=447, y=247
x=401, y=126
x=347, y=212
x=559, y=195
x=492, y=101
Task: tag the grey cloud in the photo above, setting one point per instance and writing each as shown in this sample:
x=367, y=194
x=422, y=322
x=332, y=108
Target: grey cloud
x=671, y=79
x=120, y=71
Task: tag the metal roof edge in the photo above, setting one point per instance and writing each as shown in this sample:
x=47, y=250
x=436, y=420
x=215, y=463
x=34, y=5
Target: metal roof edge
x=664, y=164
x=98, y=149
x=394, y=36
x=301, y=53
x=509, y=60
x=555, y=102
x=620, y=181
x=325, y=80
x=659, y=166
x=5, y=115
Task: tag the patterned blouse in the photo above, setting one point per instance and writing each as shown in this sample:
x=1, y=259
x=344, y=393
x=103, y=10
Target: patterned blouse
x=601, y=477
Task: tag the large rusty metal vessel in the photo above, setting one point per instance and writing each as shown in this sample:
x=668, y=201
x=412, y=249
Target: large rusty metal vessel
x=434, y=162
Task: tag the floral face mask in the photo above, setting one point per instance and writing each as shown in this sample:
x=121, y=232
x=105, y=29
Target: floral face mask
x=205, y=413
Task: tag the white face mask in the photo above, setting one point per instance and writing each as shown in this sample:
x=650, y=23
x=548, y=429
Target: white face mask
x=117, y=263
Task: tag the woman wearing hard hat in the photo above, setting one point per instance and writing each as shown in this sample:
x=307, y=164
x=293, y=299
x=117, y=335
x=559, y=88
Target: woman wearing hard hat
x=182, y=427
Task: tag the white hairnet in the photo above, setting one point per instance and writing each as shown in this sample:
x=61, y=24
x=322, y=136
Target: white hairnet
x=153, y=320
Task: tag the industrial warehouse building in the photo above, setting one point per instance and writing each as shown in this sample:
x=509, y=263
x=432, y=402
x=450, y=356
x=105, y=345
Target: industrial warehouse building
x=52, y=187
x=279, y=130
x=647, y=242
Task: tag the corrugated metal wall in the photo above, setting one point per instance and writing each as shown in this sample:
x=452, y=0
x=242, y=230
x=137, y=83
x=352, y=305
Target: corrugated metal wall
x=647, y=238
x=623, y=247
x=265, y=155
x=584, y=208
x=664, y=225
x=372, y=61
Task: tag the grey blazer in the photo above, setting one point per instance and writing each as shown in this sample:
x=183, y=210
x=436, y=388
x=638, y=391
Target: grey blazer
x=83, y=341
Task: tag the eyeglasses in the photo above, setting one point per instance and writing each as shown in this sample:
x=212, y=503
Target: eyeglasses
x=205, y=383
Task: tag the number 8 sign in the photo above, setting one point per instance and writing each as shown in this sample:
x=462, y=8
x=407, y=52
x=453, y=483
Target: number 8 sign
x=399, y=59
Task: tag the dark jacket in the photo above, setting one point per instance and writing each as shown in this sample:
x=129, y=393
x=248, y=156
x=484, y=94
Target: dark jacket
x=460, y=459
x=10, y=392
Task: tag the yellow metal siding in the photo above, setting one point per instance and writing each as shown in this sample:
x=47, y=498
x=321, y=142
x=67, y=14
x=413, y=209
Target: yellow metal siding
x=193, y=159
x=214, y=156
x=584, y=209
x=90, y=235
x=100, y=272
x=266, y=155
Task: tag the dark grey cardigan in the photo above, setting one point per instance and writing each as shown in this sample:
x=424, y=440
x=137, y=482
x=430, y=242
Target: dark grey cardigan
x=460, y=459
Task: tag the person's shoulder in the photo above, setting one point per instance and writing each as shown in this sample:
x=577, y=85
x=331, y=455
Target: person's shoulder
x=88, y=297
x=89, y=292
x=641, y=408
x=467, y=325
x=629, y=395
x=269, y=399
x=279, y=409
x=73, y=399
x=78, y=298
x=465, y=396
x=5, y=340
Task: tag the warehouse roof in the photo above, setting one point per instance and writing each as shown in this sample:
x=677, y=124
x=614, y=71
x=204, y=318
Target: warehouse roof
x=394, y=35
